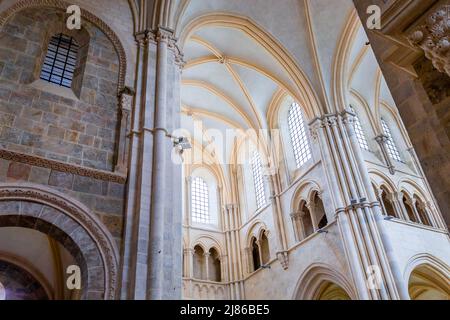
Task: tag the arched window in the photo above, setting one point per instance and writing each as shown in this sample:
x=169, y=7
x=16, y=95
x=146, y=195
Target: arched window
x=390, y=144
x=359, y=131
x=199, y=263
x=200, y=201
x=255, y=254
x=299, y=139
x=60, y=61
x=258, y=180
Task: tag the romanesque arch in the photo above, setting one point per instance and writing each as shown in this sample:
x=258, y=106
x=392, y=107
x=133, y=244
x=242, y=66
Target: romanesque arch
x=62, y=5
x=71, y=224
x=427, y=278
x=320, y=282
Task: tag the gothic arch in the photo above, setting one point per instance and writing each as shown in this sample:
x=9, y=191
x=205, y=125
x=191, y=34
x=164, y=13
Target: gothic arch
x=341, y=58
x=435, y=275
x=255, y=231
x=313, y=279
x=304, y=192
x=382, y=179
x=70, y=223
x=62, y=5
x=207, y=242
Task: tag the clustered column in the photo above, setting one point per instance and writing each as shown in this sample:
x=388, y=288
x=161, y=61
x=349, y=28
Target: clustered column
x=153, y=228
x=358, y=212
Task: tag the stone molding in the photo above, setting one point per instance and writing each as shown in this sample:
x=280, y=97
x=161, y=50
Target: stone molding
x=80, y=214
x=61, y=166
x=111, y=35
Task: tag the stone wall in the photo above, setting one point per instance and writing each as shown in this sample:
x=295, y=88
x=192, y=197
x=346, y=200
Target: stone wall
x=105, y=199
x=80, y=130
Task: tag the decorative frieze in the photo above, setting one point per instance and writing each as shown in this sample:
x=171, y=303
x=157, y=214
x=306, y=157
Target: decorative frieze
x=61, y=166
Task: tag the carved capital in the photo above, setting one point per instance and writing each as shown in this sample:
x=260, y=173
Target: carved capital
x=433, y=37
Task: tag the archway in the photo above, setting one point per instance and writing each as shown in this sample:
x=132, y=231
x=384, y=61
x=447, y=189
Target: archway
x=72, y=226
x=320, y=282
x=426, y=283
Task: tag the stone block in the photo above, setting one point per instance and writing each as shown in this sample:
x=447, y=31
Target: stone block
x=61, y=179
x=12, y=42
x=6, y=119
x=18, y=172
x=21, y=99
x=109, y=206
x=56, y=132
x=31, y=140
x=87, y=185
x=11, y=72
x=11, y=135
x=39, y=175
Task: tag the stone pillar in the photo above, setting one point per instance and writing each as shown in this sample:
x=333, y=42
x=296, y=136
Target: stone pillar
x=207, y=256
x=398, y=198
x=235, y=268
x=137, y=219
x=412, y=203
x=395, y=284
x=379, y=196
x=319, y=131
x=312, y=210
x=358, y=214
x=187, y=217
x=152, y=251
x=435, y=218
x=282, y=250
x=223, y=268
x=296, y=223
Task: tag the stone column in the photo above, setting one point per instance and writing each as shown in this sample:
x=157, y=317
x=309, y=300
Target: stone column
x=235, y=269
x=412, y=203
x=435, y=219
x=382, y=139
x=187, y=217
x=207, y=257
x=249, y=258
x=319, y=132
x=274, y=185
x=295, y=218
x=137, y=219
x=152, y=254
x=312, y=210
x=395, y=286
x=223, y=268
x=379, y=196
x=397, y=201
